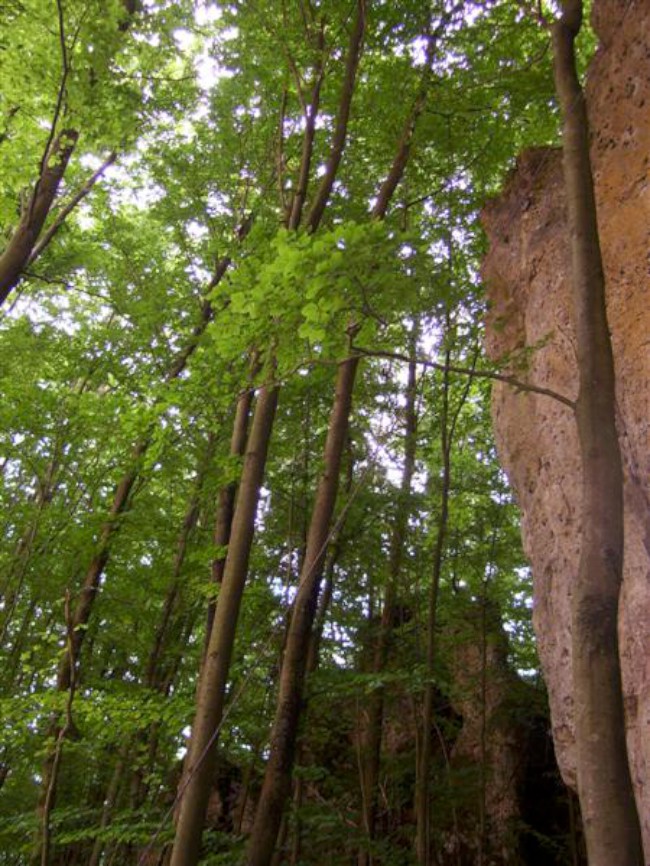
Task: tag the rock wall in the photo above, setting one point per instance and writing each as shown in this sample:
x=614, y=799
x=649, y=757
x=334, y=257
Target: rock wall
x=530, y=324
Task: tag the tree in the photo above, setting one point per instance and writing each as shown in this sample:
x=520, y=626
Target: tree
x=604, y=785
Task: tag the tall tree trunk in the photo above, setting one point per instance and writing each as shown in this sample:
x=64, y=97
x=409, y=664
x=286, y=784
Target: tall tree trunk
x=371, y=743
x=277, y=778
x=313, y=657
x=611, y=823
x=201, y=757
x=194, y=788
x=226, y=504
x=448, y=423
x=156, y=671
x=422, y=808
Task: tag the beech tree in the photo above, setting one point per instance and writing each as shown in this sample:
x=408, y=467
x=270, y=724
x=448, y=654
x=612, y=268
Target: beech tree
x=609, y=812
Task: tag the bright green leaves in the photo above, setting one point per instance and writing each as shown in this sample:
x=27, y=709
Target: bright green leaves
x=299, y=296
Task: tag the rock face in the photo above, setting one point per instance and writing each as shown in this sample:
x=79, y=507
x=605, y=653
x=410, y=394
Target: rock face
x=530, y=323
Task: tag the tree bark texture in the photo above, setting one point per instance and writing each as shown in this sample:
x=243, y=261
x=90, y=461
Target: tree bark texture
x=610, y=818
x=226, y=504
x=18, y=250
x=277, y=778
x=201, y=757
x=343, y=116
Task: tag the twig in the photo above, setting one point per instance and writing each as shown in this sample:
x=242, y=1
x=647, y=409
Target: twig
x=66, y=728
x=472, y=373
x=57, y=109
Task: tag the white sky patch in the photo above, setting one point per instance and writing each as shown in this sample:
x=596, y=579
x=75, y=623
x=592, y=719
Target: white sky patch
x=184, y=39
x=207, y=13
x=196, y=230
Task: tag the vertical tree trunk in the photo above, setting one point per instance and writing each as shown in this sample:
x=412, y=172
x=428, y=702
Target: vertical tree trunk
x=611, y=823
x=371, y=744
x=277, y=778
x=422, y=809
x=313, y=657
x=200, y=762
x=226, y=505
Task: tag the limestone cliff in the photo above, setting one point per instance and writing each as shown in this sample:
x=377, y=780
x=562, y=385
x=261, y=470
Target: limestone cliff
x=527, y=272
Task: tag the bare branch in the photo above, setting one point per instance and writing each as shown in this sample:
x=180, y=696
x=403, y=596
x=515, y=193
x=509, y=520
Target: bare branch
x=471, y=372
x=341, y=129
x=400, y=161
x=49, y=150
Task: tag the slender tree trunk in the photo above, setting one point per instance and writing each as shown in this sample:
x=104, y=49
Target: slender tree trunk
x=107, y=807
x=156, y=672
x=339, y=138
x=610, y=818
x=226, y=505
x=277, y=778
x=42, y=849
x=201, y=757
x=371, y=745
x=95, y=570
x=313, y=657
x=422, y=808
x=448, y=423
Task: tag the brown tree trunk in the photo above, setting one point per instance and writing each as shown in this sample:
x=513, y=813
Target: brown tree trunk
x=277, y=778
x=342, y=118
x=422, y=809
x=200, y=762
x=312, y=663
x=16, y=254
x=611, y=823
x=226, y=504
x=371, y=743
x=448, y=422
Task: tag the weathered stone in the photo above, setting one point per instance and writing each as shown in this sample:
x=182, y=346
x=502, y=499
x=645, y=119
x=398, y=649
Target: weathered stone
x=530, y=322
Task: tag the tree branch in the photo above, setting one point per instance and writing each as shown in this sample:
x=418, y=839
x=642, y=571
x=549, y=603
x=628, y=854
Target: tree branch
x=341, y=130
x=471, y=372
x=67, y=209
